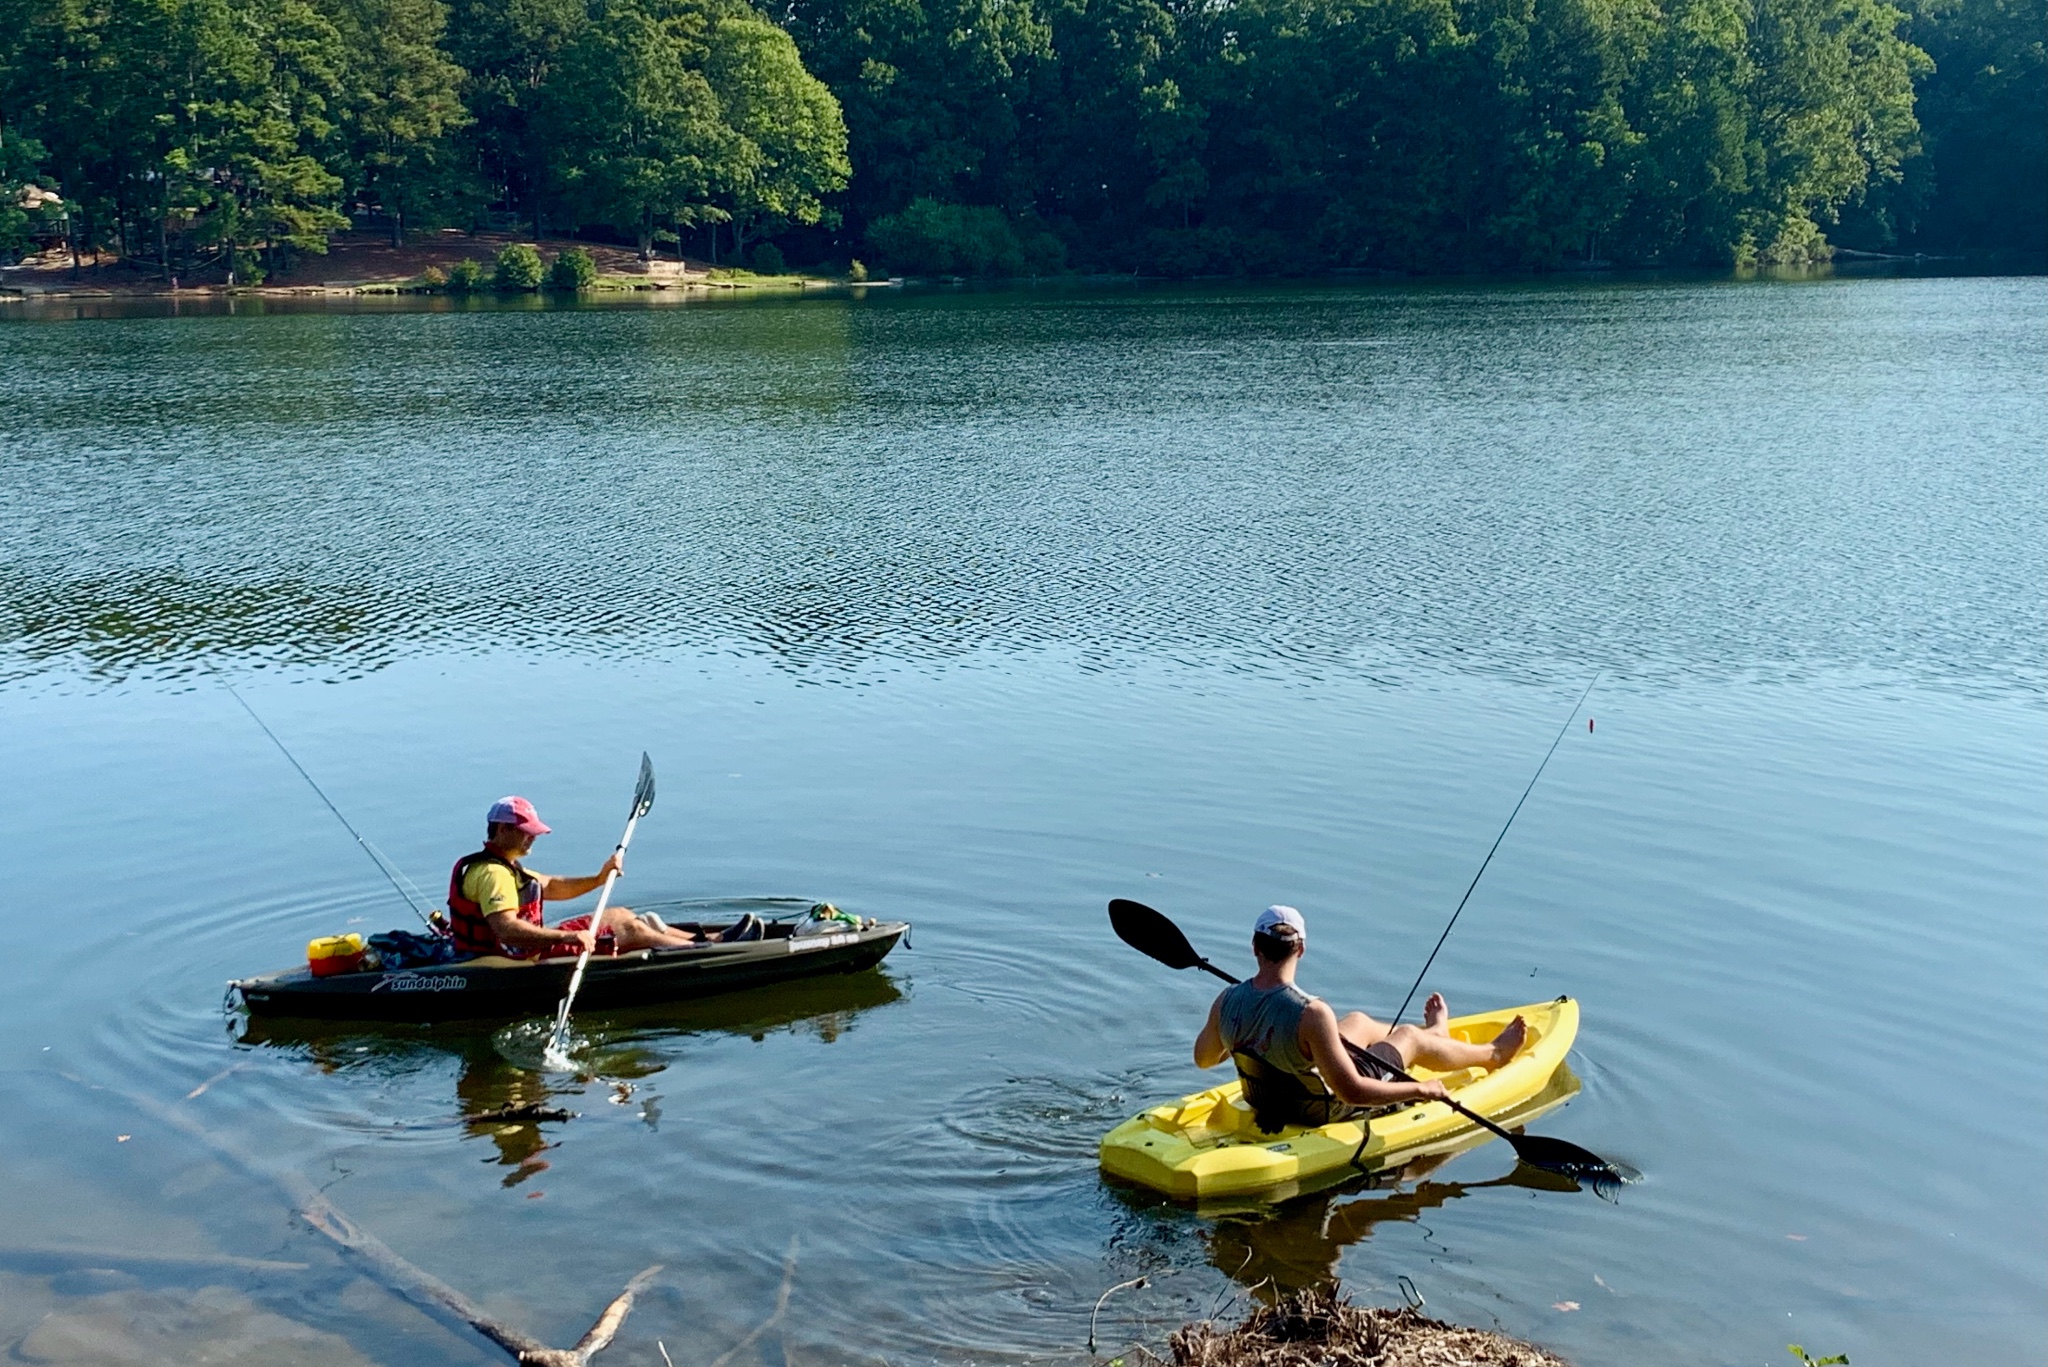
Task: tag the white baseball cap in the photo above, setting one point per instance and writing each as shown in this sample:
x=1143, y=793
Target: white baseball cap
x=1273, y=918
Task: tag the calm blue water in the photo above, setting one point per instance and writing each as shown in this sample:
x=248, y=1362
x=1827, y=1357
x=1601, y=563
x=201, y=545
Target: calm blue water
x=978, y=610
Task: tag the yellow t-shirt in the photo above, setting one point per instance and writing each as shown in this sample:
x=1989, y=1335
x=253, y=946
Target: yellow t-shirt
x=491, y=886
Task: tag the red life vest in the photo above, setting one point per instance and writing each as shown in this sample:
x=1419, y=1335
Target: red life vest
x=466, y=920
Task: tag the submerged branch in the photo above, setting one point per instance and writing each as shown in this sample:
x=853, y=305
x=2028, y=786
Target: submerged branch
x=413, y=1282
x=781, y=1309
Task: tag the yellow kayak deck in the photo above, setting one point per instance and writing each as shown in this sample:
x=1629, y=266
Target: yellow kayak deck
x=1207, y=1144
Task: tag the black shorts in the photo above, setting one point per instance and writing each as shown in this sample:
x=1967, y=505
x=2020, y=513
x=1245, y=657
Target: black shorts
x=1377, y=1061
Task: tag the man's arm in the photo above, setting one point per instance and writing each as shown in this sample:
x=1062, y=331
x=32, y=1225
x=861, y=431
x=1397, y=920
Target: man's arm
x=519, y=934
x=1209, y=1050
x=1326, y=1047
x=554, y=887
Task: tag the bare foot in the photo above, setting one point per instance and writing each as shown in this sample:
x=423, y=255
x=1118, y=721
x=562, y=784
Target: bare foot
x=1509, y=1042
x=1435, y=1011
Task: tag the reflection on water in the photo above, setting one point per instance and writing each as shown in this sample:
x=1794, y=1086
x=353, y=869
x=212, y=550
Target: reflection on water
x=628, y=1052
x=1282, y=1249
x=1234, y=474
x=1289, y=1240
x=1298, y=1245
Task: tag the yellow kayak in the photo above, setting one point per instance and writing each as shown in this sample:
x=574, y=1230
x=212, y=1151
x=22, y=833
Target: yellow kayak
x=1207, y=1145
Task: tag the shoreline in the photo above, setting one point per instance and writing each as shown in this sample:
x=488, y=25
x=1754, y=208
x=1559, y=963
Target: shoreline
x=364, y=264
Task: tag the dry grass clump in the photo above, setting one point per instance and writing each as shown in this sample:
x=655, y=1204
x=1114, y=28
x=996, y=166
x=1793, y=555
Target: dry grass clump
x=1319, y=1328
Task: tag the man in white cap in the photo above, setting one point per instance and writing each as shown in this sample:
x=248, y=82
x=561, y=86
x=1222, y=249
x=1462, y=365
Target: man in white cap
x=1289, y=1046
x=494, y=901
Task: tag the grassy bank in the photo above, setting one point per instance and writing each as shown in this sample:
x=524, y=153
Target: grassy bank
x=366, y=263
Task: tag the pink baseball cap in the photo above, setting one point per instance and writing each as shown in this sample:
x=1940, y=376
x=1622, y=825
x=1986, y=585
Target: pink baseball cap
x=516, y=811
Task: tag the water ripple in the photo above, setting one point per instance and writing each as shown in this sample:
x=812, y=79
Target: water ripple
x=1380, y=481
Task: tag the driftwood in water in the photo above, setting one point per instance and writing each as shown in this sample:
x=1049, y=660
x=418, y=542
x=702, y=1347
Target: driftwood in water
x=532, y=1111
x=1319, y=1328
x=414, y=1283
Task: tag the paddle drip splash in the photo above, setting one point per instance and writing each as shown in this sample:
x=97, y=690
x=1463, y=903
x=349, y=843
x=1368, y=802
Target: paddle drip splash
x=1611, y=1178
x=530, y=1045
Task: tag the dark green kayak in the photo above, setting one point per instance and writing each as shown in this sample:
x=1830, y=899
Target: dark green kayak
x=502, y=987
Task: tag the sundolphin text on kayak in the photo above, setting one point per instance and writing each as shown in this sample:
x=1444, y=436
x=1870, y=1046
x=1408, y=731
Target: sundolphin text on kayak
x=1311, y=1084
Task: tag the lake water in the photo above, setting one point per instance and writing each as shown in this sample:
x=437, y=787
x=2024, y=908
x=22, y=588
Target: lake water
x=977, y=610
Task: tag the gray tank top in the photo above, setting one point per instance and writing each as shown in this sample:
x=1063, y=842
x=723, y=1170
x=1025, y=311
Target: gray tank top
x=1267, y=1023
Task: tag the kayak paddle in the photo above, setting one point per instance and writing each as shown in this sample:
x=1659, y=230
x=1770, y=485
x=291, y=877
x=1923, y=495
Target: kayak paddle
x=643, y=801
x=1153, y=935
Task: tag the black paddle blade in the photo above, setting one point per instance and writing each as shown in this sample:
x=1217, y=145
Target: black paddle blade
x=643, y=791
x=1151, y=934
x=1567, y=1159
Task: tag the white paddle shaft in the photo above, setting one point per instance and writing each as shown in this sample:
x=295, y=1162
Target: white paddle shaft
x=604, y=896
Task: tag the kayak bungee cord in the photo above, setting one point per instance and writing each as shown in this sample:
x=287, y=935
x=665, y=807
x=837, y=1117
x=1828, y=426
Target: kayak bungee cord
x=384, y=866
x=1496, y=845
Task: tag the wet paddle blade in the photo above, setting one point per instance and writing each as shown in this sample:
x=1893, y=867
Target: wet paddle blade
x=1568, y=1159
x=1151, y=934
x=643, y=791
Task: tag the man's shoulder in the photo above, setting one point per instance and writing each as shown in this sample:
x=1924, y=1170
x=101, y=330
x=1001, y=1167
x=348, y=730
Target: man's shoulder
x=488, y=873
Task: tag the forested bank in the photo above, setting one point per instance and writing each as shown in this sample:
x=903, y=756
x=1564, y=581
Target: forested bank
x=1015, y=136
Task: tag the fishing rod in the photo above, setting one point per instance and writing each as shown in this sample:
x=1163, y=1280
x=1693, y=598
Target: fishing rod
x=1496, y=845
x=376, y=856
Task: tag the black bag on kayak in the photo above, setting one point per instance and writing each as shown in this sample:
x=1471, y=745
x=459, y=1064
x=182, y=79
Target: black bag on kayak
x=405, y=949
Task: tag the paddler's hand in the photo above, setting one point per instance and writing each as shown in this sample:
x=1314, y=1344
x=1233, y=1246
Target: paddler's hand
x=1431, y=1090
x=586, y=939
x=614, y=865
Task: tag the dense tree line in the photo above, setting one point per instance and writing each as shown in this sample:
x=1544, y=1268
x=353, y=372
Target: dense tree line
x=194, y=132
x=1007, y=136
x=1276, y=135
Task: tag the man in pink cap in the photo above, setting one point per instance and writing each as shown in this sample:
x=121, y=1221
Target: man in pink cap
x=1289, y=1046
x=494, y=901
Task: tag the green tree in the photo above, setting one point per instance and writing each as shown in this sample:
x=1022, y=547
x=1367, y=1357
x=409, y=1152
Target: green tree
x=198, y=123
x=636, y=134
x=573, y=270
x=791, y=140
x=930, y=238
x=1985, y=183
x=1761, y=125
x=1121, y=125
x=518, y=267
x=399, y=103
x=509, y=49
x=932, y=92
